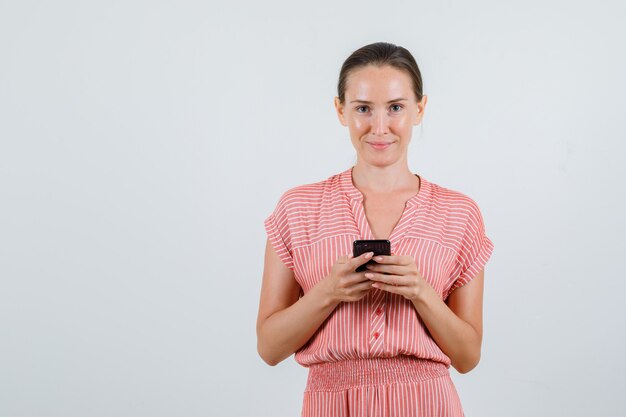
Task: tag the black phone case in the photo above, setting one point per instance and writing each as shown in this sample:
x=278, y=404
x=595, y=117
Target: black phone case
x=378, y=246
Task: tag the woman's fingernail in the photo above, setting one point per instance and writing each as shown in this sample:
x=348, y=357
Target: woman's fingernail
x=378, y=258
x=369, y=255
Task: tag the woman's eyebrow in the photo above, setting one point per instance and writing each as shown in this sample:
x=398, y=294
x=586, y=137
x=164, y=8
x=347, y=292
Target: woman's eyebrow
x=369, y=102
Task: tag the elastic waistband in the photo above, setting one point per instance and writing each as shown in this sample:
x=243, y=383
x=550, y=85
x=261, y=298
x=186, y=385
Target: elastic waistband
x=342, y=375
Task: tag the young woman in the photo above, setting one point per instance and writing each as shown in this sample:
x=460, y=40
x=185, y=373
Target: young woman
x=378, y=342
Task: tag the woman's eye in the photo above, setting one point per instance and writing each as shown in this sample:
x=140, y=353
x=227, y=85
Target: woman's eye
x=396, y=107
x=358, y=109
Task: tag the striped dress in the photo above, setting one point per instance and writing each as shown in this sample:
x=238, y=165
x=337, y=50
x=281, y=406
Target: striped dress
x=375, y=356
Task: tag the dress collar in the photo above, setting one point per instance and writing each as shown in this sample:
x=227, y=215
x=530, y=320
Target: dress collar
x=347, y=186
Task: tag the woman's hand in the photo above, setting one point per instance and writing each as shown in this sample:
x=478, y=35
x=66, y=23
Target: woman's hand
x=343, y=283
x=286, y=320
x=397, y=274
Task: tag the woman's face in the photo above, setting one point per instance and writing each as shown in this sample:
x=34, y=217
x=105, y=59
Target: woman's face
x=380, y=110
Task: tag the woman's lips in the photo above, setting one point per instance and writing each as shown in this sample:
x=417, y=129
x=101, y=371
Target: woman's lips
x=379, y=145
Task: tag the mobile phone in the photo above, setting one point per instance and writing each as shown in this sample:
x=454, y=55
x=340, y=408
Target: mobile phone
x=378, y=246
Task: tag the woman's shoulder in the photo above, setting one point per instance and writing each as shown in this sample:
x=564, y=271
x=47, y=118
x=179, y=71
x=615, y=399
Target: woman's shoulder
x=311, y=193
x=452, y=201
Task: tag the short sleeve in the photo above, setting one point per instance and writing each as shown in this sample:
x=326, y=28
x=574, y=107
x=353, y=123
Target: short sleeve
x=475, y=248
x=277, y=226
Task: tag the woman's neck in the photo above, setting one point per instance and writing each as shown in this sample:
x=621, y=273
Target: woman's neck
x=384, y=180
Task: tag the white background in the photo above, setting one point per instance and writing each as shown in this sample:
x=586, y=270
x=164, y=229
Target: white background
x=142, y=144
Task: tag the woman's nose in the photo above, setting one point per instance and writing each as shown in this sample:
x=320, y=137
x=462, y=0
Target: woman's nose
x=380, y=123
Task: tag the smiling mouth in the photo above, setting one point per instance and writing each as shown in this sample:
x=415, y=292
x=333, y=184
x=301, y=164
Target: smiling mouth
x=379, y=145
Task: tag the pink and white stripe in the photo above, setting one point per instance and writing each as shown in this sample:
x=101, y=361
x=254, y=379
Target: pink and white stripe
x=401, y=386
x=442, y=229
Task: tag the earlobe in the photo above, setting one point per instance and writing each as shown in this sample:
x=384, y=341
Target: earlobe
x=339, y=109
x=420, y=110
x=418, y=117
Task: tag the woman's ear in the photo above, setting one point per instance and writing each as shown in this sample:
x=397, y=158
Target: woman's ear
x=421, y=106
x=339, y=107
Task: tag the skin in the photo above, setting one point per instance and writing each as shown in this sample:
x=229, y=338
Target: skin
x=380, y=107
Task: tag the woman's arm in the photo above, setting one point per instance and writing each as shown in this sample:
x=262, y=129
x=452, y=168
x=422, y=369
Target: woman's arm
x=286, y=322
x=456, y=327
